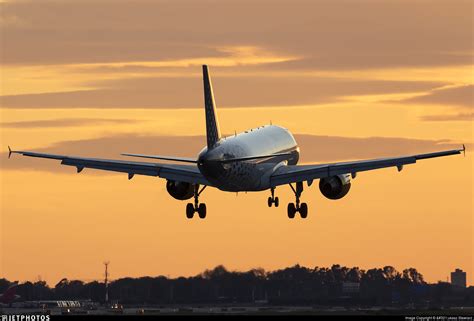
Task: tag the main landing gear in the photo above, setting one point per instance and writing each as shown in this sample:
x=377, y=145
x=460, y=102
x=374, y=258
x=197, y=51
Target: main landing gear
x=293, y=208
x=272, y=199
x=196, y=207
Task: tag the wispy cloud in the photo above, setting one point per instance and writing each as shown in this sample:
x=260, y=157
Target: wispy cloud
x=49, y=78
x=64, y=122
x=449, y=117
x=237, y=91
x=329, y=34
x=230, y=56
x=56, y=59
x=460, y=96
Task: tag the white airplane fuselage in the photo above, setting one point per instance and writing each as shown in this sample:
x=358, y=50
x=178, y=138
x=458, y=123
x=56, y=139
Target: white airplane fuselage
x=253, y=175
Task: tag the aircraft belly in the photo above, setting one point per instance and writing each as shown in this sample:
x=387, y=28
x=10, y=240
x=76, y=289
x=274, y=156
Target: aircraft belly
x=251, y=175
x=239, y=176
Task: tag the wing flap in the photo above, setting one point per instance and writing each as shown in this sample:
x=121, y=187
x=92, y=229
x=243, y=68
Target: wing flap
x=354, y=167
x=115, y=166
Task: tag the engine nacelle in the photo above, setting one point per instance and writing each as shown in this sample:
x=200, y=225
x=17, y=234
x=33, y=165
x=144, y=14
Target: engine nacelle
x=335, y=187
x=180, y=190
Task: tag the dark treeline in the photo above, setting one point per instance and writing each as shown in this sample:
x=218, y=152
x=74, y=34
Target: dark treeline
x=293, y=285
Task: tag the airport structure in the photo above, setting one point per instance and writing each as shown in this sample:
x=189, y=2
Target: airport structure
x=458, y=278
x=106, y=264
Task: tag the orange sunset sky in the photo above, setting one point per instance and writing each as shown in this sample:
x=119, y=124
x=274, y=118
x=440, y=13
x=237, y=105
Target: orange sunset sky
x=351, y=79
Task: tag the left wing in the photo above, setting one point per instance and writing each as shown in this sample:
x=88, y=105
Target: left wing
x=182, y=173
x=299, y=173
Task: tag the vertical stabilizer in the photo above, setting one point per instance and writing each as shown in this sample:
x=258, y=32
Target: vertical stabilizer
x=212, y=123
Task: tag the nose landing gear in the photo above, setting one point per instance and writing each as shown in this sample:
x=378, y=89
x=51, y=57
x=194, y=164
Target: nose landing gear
x=296, y=207
x=196, y=207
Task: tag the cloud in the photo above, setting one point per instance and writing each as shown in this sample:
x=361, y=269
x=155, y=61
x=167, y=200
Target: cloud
x=236, y=91
x=55, y=56
x=11, y=20
x=64, y=122
x=230, y=56
x=314, y=149
x=21, y=79
x=331, y=148
x=340, y=61
x=329, y=34
x=449, y=117
x=459, y=96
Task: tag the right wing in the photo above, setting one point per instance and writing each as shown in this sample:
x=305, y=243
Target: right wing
x=299, y=173
x=182, y=173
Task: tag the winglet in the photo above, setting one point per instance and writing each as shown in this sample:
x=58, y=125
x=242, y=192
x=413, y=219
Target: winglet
x=464, y=150
x=9, y=152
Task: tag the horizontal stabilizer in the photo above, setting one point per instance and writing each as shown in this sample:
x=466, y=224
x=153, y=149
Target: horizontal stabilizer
x=170, y=158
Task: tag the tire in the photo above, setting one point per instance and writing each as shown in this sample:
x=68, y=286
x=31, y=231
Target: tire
x=277, y=201
x=202, y=210
x=291, y=210
x=270, y=201
x=304, y=210
x=189, y=210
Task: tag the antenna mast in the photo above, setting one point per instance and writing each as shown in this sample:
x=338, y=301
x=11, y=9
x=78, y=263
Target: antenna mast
x=106, y=282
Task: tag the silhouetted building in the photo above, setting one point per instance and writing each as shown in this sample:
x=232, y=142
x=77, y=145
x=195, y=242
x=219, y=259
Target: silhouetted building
x=458, y=278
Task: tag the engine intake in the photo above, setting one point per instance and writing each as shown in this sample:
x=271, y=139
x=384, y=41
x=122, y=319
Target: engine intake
x=180, y=190
x=335, y=187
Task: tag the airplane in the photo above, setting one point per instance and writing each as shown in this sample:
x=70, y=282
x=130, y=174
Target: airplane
x=258, y=159
x=9, y=295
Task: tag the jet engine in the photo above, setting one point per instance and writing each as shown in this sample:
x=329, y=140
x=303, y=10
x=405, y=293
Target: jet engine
x=335, y=187
x=180, y=190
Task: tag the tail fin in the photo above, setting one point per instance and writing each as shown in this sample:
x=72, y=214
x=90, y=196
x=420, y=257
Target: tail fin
x=212, y=123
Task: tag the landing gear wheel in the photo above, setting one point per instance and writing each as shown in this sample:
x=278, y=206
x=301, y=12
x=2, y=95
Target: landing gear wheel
x=272, y=199
x=202, y=210
x=303, y=210
x=291, y=210
x=189, y=210
x=196, y=207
